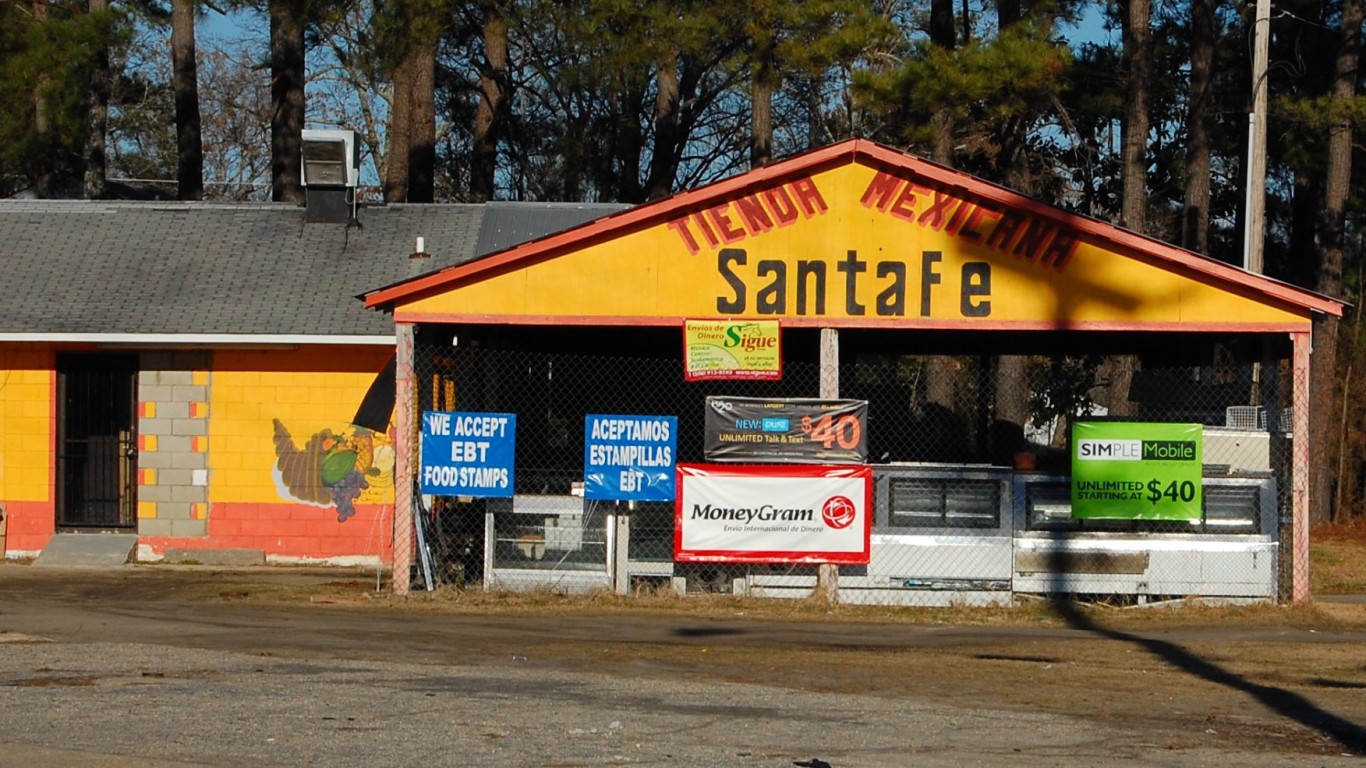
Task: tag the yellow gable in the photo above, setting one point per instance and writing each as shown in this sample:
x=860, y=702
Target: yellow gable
x=854, y=245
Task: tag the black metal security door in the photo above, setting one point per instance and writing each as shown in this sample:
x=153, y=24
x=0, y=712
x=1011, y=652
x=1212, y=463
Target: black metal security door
x=97, y=441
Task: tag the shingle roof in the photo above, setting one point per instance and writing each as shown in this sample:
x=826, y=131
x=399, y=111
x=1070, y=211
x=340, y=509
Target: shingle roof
x=507, y=225
x=95, y=267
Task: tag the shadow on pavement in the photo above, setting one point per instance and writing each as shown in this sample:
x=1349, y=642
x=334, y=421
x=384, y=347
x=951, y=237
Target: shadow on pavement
x=1288, y=704
x=706, y=631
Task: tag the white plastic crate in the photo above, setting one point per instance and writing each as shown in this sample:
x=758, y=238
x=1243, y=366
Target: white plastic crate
x=1248, y=417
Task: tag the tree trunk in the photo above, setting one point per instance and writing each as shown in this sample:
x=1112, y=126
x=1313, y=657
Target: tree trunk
x=1010, y=160
x=422, y=114
x=815, y=115
x=942, y=38
x=941, y=371
x=1134, y=130
x=1306, y=197
x=1012, y=409
x=494, y=87
x=1011, y=386
x=1117, y=373
x=97, y=124
x=664, y=160
x=761, y=129
x=941, y=24
x=1195, y=217
x=1007, y=12
x=1119, y=370
x=1331, y=229
x=40, y=174
x=398, y=155
x=189, y=146
x=287, y=100
x=616, y=168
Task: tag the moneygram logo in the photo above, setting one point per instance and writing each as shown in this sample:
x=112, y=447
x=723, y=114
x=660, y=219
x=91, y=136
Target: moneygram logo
x=838, y=512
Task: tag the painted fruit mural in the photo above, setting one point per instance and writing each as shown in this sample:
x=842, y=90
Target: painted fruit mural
x=334, y=468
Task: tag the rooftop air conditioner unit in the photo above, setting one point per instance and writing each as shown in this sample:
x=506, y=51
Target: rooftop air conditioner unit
x=330, y=158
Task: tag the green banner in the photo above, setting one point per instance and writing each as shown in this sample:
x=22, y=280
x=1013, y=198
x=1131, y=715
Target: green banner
x=1131, y=470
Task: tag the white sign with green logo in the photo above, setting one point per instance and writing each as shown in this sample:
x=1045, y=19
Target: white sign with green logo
x=1131, y=470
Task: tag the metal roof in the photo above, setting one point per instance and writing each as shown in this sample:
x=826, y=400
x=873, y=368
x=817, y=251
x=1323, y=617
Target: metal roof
x=212, y=270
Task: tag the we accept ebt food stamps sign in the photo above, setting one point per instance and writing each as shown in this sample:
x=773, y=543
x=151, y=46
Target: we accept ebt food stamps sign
x=468, y=454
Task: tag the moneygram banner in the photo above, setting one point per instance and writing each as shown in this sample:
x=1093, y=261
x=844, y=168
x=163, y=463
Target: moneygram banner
x=722, y=349
x=629, y=458
x=468, y=454
x=786, y=430
x=773, y=514
x=1136, y=470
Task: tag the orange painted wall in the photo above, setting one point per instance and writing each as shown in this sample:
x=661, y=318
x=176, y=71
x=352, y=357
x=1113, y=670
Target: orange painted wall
x=291, y=532
x=27, y=446
x=280, y=438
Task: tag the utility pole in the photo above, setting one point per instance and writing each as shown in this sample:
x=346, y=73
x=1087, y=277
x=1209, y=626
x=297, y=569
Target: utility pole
x=1254, y=228
x=1254, y=224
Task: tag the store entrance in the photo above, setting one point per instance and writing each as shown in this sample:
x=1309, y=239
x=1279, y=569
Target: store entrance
x=96, y=442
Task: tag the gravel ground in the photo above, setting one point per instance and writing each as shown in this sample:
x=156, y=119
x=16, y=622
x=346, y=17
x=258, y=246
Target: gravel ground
x=118, y=672
x=112, y=705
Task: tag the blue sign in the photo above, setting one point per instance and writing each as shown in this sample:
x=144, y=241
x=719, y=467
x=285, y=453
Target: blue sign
x=629, y=458
x=468, y=454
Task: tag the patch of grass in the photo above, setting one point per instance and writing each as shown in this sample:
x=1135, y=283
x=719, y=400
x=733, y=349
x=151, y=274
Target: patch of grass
x=1193, y=614
x=1352, y=531
x=1337, y=566
x=547, y=601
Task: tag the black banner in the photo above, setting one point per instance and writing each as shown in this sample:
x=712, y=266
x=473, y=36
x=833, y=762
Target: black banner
x=787, y=430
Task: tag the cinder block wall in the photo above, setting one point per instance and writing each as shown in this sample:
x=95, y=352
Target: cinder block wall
x=173, y=444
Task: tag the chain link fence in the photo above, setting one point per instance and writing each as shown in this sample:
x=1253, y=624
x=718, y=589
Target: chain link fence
x=970, y=460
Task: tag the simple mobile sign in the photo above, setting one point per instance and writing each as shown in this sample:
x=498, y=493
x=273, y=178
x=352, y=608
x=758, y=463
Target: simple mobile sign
x=786, y=430
x=468, y=454
x=629, y=458
x=773, y=514
x=1136, y=471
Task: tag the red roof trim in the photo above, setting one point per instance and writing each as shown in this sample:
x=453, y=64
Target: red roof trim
x=850, y=151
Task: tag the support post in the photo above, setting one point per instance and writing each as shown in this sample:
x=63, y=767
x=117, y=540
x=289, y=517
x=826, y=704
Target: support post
x=828, y=574
x=1299, y=504
x=403, y=458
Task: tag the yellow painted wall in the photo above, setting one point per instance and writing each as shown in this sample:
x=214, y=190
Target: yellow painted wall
x=26, y=390
x=277, y=418
x=979, y=269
